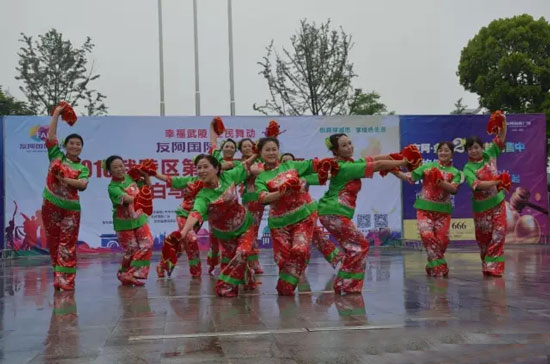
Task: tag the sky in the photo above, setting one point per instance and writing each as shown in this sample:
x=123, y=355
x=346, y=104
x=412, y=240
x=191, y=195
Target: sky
x=407, y=51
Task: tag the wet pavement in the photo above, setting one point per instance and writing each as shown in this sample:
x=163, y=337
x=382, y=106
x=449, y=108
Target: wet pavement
x=401, y=317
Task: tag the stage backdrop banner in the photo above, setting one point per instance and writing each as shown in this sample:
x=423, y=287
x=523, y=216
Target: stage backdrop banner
x=524, y=158
x=172, y=142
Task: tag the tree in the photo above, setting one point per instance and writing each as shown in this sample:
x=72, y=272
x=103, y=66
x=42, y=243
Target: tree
x=313, y=77
x=9, y=105
x=461, y=109
x=508, y=65
x=53, y=70
x=366, y=103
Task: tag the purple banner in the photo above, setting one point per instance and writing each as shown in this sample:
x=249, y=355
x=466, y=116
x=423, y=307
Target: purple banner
x=524, y=158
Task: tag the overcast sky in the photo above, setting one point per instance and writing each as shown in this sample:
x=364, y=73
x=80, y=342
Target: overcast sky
x=408, y=51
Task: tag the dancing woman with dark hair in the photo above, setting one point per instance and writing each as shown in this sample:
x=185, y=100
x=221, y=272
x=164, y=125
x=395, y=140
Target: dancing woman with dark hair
x=251, y=203
x=224, y=154
x=488, y=195
x=61, y=205
x=230, y=222
x=433, y=206
x=337, y=207
x=292, y=212
x=130, y=221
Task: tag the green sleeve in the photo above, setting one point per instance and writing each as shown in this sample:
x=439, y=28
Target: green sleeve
x=302, y=167
x=217, y=153
x=115, y=194
x=353, y=170
x=84, y=173
x=458, y=178
x=201, y=206
x=312, y=179
x=237, y=174
x=418, y=173
x=54, y=152
x=182, y=182
x=493, y=151
x=261, y=185
x=470, y=176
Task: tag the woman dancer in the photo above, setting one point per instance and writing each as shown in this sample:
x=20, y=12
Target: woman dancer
x=61, y=206
x=292, y=213
x=231, y=223
x=130, y=221
x=488, y=195
x=440, y=180
x=337, y=206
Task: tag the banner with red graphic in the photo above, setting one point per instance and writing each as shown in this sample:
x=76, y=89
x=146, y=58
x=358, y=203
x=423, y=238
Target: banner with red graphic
x=172, y=142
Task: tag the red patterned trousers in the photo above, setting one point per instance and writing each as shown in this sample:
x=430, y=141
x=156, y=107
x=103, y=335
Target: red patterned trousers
x=292, y=246
x=349, y=278
x=237, y=270
x=490, y=228
x=434, y=233
x=138, y=248
x=61, y=228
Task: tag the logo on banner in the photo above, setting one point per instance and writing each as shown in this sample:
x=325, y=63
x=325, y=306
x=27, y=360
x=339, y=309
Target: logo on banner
x=39, y=134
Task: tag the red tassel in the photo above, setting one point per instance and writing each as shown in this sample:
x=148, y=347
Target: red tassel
x=505, y=182
x=433, y=176
x=292, y=184
x=144, y=200
x=327, y=167
x=135, y=174
x=496, y=122
x=413, y=156
x=150, y=166
x=219, y=127
x=68, y=115
x=273, y=130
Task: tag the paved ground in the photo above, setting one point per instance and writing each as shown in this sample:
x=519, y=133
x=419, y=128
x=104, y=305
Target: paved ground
x=401, y=317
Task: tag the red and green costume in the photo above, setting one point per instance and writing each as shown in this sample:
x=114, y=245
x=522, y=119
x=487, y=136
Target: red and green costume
x=489, y=209
x=291, y=221
x=321, y=240
x=231, y=225
x=253, y=205
x=132, y=231
x=336, y=210
x=61, y=214
x=213, y=256
x=171, y=250
x=433, y=211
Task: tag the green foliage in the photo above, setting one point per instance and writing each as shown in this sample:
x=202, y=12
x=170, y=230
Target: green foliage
x=366, y=104
x=313, y=77
x=508, y=65
x=53, y=70
x=9, y=105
